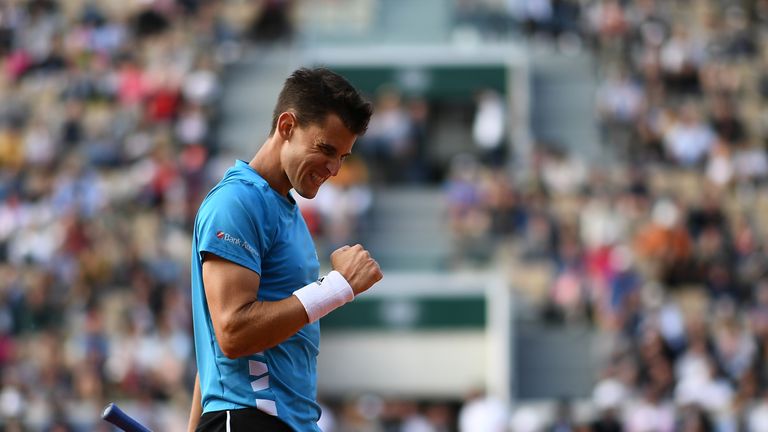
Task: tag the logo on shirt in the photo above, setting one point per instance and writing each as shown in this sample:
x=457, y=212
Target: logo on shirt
x=235, y=241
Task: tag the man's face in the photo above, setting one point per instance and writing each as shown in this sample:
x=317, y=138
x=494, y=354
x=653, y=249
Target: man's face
x=314, y=153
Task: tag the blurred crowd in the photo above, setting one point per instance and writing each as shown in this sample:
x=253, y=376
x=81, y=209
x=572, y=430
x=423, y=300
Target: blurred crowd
x=663, y=250
x=106, y=147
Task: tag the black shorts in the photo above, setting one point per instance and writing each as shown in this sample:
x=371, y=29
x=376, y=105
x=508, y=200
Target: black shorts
x=241, y=420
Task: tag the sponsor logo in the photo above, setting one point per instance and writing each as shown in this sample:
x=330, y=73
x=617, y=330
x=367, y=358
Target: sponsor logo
x=235, y=241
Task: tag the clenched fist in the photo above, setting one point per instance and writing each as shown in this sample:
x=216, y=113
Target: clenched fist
x=356, y=265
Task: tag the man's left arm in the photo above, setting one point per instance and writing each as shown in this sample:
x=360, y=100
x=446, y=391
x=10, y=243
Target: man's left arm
x=197, y=406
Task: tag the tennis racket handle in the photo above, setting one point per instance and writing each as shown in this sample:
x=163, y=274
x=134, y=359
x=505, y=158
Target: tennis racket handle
x=113, y=414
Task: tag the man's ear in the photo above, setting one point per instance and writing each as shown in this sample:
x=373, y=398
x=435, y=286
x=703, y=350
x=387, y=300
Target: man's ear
x=286, y=123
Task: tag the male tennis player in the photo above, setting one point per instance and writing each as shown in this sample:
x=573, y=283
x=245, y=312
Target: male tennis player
x=256, y=295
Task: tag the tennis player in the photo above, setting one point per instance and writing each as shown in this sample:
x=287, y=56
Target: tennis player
x=256, y=295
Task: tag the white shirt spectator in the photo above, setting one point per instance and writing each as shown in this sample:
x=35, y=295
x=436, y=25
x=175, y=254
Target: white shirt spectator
x=688, y=140
x=620, y=98
x=646, y=416
x=692, y=365
x=757, y=419
x=535, y=10
x=671, y=323
x=389, y=124
x=39, y=146
x=713, y=395
x=601, y=224
x=201, y=86
x=488, y=125
x=750, y=163
x=609, y=393
x=720, y=169
x=416, y=423
x=564, y=174
x=483, y=414
x=192, y=127
x=680, y=50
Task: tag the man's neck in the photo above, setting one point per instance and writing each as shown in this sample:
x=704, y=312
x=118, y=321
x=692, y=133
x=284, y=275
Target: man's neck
x=266, y=162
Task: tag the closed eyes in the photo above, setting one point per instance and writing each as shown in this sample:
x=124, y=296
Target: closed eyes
x=327, y=150
x=330, y=151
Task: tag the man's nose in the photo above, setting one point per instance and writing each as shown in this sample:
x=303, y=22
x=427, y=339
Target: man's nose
x=334, y=166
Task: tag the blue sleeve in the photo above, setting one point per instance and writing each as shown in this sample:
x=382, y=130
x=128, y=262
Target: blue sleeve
x=233, y=224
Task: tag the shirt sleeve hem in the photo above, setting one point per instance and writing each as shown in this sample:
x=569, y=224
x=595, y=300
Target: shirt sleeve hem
x=229, y=256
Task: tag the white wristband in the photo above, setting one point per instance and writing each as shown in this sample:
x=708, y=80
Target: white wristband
x=320, y=298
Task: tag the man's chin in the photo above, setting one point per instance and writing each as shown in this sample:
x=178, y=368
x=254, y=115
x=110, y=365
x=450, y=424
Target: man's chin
x=308, y=194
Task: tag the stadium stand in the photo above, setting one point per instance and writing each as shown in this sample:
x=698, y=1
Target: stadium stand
x=116, y=119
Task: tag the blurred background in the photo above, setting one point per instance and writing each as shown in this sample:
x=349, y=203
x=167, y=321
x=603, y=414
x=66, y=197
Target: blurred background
x=567, y=198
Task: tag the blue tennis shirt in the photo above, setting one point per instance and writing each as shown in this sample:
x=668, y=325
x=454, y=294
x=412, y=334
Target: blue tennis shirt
x=245, y=221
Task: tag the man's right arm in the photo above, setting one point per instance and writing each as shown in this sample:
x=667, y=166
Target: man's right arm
x=245, y=325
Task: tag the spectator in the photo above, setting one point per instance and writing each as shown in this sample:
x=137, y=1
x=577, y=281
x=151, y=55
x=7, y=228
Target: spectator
x=387, y=141
x=488, y=128
x=84, y=191
x=688, y=139
x=483, y=413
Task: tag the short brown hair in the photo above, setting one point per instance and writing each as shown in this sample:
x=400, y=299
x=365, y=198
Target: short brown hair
x=312, y=94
